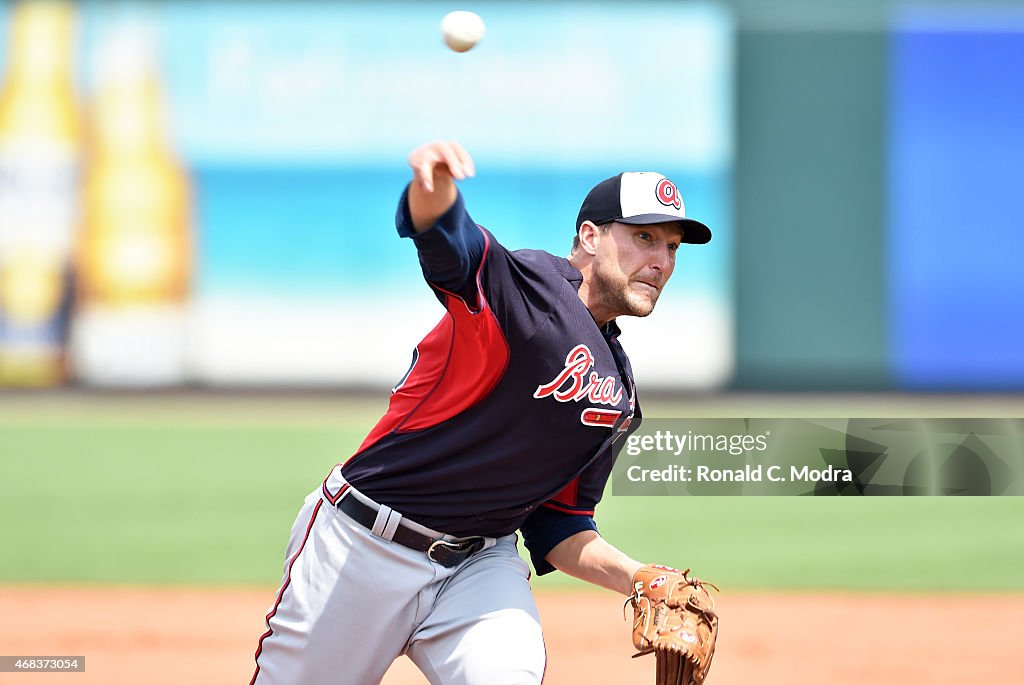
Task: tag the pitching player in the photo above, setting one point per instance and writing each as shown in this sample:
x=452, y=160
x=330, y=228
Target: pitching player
x=505, y=421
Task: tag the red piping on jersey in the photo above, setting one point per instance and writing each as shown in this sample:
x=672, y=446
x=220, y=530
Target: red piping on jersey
x=459, y=363
x=566, y=510
x=284, y=586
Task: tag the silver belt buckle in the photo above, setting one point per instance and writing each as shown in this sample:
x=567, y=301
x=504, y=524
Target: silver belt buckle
x=449, y=554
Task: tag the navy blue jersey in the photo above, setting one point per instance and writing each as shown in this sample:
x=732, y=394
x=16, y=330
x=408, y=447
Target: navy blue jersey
x=506, y=400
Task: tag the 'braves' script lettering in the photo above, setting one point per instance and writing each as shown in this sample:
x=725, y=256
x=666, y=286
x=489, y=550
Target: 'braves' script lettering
x=577, y=381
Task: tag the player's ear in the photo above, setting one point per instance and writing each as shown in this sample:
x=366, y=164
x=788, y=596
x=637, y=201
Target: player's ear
x=588, y=237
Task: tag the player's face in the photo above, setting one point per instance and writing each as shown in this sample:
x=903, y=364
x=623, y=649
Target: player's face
x=632, y=266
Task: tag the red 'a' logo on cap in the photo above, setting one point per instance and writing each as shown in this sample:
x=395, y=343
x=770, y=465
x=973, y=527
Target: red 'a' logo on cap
x=667, y=194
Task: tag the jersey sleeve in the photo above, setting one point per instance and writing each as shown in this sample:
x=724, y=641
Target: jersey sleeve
x=572, y=509
x=545, y=528
x=450, y=251
x=567, y=513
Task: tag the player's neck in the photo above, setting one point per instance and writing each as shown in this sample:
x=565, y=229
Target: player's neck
x=601, y=314
x=588, y=295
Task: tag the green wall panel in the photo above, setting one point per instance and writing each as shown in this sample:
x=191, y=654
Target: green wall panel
x=810, y=208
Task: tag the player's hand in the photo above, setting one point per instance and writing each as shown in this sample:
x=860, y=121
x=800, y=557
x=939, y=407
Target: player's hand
x=435, y=167
x=440, y=162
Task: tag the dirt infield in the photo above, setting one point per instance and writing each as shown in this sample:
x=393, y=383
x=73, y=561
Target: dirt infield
x=207, y=637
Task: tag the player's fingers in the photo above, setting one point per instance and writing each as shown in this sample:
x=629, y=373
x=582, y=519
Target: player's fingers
x=448, y=157
x=425, y=173
x=464, y=159
x=423, y=160
x=451, y=158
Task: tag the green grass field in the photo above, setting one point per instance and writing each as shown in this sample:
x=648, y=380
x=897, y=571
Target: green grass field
x=204, y=491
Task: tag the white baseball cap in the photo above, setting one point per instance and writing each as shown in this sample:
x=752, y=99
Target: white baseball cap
x=640, y=197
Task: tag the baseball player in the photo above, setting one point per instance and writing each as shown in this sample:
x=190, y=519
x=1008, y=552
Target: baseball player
x=506, y=421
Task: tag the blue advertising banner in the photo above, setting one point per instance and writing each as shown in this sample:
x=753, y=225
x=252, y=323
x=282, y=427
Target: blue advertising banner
x=956, y=289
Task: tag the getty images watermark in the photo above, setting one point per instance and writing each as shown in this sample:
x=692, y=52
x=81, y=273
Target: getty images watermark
x=666, y=442
x=822, y=457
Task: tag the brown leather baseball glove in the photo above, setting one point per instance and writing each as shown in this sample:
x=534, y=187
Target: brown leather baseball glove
x=674, y=617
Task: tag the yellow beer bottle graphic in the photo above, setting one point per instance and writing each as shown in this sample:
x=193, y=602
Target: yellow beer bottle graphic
x=39, y=161
x=135, y=249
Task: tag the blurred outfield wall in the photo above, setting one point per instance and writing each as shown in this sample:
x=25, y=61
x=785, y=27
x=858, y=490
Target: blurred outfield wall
x=858, y=161
x=879, y=153
x=294, y=121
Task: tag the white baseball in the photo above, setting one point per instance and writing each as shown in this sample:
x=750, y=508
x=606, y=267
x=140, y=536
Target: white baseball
x=462, y=30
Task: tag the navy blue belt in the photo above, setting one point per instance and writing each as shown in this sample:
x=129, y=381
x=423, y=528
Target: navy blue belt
x=448, y=553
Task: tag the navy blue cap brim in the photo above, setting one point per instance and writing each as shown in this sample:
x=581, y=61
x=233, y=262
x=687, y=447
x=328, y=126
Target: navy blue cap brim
x=694, y=232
